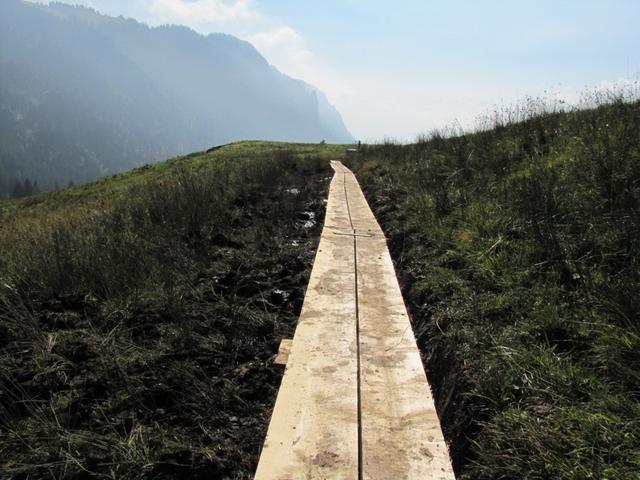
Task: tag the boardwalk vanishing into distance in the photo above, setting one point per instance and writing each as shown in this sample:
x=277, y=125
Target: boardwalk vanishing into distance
x=354, y=402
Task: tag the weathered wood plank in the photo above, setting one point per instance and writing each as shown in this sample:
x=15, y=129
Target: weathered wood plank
x=401, y=434
x=313, y=430
x=283, y=352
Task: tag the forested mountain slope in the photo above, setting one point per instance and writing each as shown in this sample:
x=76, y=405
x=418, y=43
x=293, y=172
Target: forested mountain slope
x=83, y=95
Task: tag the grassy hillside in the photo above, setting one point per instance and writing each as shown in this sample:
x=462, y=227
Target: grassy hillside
x=139, y=314
x=519, y=252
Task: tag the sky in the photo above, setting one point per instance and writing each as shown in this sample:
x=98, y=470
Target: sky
x=399, y=69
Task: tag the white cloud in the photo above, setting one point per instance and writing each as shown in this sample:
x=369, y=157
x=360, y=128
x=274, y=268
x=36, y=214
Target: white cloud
x=285, y=48
x=206, y=15
x=277, y=37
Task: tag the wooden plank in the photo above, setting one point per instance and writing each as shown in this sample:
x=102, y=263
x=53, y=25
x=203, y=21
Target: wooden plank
x=313, y=429
x=401, y=433
x=283, y=351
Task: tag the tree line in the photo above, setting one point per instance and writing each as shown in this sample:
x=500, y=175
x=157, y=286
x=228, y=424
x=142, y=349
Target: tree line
x=18, y=188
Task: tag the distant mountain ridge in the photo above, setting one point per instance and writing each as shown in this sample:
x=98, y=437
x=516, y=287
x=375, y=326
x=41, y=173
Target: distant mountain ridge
x=84, y=95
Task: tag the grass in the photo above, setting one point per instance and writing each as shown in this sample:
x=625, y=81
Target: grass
x=518, y=247
x=107, y=189
x=139, y=314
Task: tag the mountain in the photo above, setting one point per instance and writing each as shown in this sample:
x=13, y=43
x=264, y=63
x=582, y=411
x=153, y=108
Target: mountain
x=84, y=95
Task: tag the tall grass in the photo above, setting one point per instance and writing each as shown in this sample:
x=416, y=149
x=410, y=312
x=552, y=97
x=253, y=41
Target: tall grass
x=137, y=329
x=123, y=247
x=519, y=249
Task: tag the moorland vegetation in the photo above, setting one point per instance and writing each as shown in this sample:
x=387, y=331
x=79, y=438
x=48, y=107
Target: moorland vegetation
x=518, y=249
x=140, y=314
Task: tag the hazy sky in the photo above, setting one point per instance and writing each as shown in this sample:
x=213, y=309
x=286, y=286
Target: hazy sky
x=400, y=68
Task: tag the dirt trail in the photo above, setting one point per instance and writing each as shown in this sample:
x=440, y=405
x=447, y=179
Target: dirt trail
x=354, y=401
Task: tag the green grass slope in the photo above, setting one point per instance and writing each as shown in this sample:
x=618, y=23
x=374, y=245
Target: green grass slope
x=518, y=249
x=139, y=314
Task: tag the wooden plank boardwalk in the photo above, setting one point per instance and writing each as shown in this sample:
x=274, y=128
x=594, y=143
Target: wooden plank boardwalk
x=354, y=402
